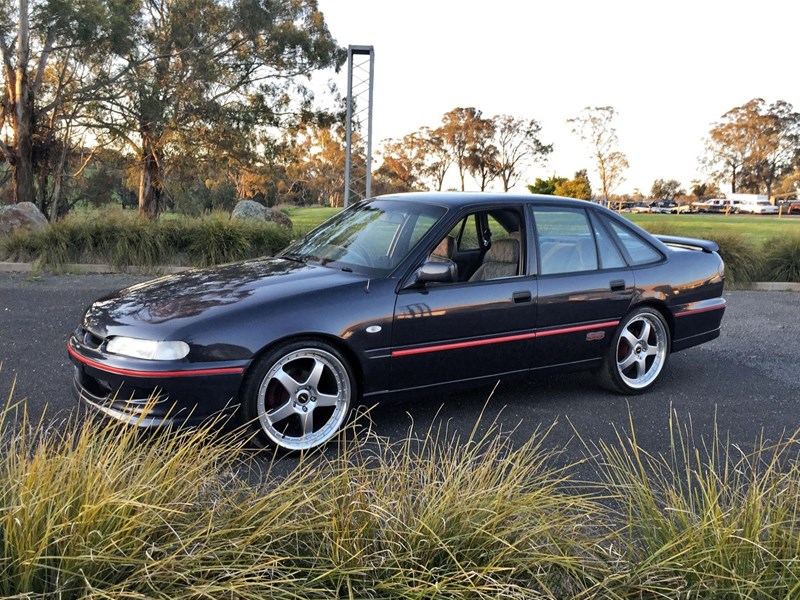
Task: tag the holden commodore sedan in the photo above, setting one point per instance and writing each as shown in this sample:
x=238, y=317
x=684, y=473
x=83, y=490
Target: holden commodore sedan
x=399, y=294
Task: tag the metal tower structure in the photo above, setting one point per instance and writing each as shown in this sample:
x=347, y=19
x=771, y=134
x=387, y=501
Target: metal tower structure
x=360, y=79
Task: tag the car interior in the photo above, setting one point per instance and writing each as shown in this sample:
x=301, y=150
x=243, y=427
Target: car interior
x=484, y=245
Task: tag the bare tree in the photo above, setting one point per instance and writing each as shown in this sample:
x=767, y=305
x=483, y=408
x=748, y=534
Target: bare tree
x=594, y=126
x=518, y=146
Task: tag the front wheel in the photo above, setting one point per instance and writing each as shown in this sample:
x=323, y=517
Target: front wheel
x=299, y=395
x=638, y=352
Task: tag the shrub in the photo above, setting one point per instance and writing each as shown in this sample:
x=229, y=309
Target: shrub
x=124, y=239
x=743, y=260
x=783, y=259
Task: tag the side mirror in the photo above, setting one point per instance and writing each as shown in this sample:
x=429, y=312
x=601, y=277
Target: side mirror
x=440, y=271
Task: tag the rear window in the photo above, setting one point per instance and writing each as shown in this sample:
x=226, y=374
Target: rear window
x=639, y=252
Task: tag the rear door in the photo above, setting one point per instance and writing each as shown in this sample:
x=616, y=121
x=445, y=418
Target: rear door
x=585, y=286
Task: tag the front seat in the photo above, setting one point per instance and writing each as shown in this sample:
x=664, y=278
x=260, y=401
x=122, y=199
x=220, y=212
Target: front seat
x=501, y=260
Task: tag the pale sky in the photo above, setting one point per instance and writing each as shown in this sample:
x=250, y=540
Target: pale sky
x=670, y=69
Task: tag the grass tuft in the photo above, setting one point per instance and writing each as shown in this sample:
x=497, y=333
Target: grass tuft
x=96, y=510
x=783, y=259
x=713, y=521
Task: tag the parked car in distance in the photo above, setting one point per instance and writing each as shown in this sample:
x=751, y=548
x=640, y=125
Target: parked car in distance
x=793, y=208
x=640, y=207
x=758, y=207
x=669, y=207
x=716, y=205
x=399, y=295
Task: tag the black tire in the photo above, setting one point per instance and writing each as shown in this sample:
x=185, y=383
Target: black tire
x=638, y=352
x=298, y=395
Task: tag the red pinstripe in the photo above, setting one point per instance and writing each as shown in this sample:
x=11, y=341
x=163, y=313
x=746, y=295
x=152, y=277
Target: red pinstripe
x=134, y=373
x=503, y=339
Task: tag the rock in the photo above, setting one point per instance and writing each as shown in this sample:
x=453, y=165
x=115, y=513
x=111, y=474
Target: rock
x=23, y=215
x=279, y=218
x=249, y=209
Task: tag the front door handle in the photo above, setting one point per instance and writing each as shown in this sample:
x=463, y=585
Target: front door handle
x=520, y=297
x=617, y=285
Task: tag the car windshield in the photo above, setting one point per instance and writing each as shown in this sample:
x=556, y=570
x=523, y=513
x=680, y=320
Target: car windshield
x=369, y=237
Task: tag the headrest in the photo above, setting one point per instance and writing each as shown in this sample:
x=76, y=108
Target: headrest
x=505, y=250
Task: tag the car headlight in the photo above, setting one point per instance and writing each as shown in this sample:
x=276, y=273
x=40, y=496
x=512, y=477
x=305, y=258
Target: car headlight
x=147, y=349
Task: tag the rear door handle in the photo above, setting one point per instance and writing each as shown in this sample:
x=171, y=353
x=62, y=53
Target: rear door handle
x=617, y=285
x=520, y=297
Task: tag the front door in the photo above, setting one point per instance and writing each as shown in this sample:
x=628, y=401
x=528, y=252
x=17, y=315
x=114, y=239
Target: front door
x=481, y=325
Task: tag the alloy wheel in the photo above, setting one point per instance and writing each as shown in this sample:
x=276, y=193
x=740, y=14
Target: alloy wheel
x=641, y=350
x=304, y=398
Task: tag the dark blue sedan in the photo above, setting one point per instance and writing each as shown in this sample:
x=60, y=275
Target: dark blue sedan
x=399, y=293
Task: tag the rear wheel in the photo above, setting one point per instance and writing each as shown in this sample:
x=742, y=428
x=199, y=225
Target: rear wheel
x=299, y=395
x=638, y=352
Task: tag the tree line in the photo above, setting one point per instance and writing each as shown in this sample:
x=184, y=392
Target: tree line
x=162, y=93
x=190, y=105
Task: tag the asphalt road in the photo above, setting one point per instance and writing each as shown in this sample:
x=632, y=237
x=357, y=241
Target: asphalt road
x=747, y=381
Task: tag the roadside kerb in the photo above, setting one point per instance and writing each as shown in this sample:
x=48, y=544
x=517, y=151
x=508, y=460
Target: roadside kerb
x=84, y=269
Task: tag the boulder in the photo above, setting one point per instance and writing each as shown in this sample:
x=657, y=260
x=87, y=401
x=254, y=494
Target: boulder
x=23, y=215
x=250, y=209
x=279, y=218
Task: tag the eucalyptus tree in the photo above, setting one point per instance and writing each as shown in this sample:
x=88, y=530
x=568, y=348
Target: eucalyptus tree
x=205, y=75
x=666, y=189
x=463, y=130
x=404, y=162
x=437, y=157
x=482, y=154
x=595, y=126
x=755, y=145
x=55, y=59
x=518, y=146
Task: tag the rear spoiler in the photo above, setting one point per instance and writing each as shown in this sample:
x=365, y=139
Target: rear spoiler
x=704, y=245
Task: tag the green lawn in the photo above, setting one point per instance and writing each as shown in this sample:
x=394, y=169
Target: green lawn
x=757, y=228
x=306, y=218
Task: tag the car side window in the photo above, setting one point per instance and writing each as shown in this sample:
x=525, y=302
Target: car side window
x=638, y=250
x=610, y=256
x=466, y=234
x=566, y=240
x=421, y=227
x=496, y=254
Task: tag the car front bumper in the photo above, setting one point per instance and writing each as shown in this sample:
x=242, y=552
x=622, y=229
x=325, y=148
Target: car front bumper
x=150, y=395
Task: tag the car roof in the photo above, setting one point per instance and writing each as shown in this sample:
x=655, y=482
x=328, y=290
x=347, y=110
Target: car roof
x=460, y=199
